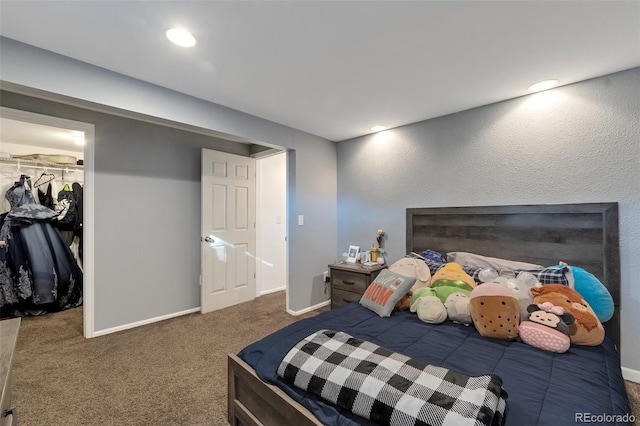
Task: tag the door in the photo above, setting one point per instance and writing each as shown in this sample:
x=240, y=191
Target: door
x=228, y=230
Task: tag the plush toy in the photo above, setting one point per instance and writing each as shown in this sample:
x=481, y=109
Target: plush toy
x=412, y=267
x=404, y=303
x=593, y=291
x=452, y=275
x=452, y=286
x=495, y=311
x=519, y=285
x=587, y=329
x=547, y=327
x=428, y=307
x=457, y=305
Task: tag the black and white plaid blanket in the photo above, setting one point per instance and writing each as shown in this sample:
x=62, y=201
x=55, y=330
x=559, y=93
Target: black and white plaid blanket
x=388, y=387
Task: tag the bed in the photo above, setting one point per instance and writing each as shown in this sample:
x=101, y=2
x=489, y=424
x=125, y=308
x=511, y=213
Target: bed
x=543, y=388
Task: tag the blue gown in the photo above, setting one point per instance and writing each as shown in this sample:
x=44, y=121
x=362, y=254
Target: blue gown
x=38, y=272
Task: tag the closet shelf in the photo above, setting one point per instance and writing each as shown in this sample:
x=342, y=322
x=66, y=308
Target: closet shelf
x=33, y=164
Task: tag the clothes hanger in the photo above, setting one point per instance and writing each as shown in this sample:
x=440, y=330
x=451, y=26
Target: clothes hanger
x=46, y=178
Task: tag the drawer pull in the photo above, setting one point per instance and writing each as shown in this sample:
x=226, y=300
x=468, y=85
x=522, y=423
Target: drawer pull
x=348, y=282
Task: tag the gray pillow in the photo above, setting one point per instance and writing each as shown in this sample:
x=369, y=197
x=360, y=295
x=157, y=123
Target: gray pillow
x=471, y=259
x=385, y=291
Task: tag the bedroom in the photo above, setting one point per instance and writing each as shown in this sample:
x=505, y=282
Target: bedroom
x=593, y=123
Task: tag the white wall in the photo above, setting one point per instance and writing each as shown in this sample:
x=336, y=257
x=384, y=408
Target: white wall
x=271, y=227
x=573, y=144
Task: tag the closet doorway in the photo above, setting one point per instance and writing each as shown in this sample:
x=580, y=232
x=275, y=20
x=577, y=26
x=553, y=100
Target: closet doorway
x=23, y=135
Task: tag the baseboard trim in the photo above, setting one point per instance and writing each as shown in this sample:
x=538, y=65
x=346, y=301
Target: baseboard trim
x=144, y=322
x=309, y=309
x=273, y=290
x=631, y=375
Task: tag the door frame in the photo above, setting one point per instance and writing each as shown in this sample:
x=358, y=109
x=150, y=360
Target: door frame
x=88, y=311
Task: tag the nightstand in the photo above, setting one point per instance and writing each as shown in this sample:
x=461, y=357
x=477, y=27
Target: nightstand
x=350, y=280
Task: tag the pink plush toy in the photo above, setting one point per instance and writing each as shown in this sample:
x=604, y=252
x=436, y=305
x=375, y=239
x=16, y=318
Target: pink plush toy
x=547, y=327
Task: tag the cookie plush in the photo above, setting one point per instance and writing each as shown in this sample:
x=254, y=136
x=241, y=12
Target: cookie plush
x=495, y=311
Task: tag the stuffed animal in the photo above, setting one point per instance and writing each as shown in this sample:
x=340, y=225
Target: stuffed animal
x=519, y=285
x=547, y=327
x=428, y=306
x=458, y=310
x=495, y=311
x=412, y=267
x=593, y=291
x=586, y=329
x=452, y=275
x=404, y=303
x=452, y=286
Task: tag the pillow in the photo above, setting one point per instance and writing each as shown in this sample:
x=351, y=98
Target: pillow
x=433, y=255
x=385, y=291
x=558, y=274
x=471, y=259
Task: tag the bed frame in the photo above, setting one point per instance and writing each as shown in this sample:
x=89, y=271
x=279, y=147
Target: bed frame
x=584, y=235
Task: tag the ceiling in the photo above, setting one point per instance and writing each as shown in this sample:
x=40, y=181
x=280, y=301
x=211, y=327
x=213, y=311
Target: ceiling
x=337, y=68
x=24, y=133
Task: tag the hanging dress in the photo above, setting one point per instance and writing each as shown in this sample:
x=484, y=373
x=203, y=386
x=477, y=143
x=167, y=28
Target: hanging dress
x=37, y=270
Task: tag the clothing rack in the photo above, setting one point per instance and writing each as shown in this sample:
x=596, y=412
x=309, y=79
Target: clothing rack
x=64, y=168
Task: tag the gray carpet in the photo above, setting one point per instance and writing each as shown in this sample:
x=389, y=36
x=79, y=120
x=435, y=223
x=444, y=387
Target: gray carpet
x=173, y=372
x=168, y=373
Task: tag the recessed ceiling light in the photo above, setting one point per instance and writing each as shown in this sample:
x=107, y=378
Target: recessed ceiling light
x=181, y=37
x=378, y=128
x=543, y=85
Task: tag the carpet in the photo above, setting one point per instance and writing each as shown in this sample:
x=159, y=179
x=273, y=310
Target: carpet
x=172, y=372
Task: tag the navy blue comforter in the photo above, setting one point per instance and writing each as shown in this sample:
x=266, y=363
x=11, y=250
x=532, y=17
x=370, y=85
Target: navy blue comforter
x=543, y=388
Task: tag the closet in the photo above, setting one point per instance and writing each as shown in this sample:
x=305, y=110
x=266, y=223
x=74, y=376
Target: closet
x=41, y=218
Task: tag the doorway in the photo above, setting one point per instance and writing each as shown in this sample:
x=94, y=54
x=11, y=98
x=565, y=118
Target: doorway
x=55, y=136
x=271, y=223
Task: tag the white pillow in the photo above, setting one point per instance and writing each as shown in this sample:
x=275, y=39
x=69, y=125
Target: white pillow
x=471, y=259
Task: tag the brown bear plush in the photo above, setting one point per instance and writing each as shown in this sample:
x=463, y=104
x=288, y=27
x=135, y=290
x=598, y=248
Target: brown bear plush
x=587, y=329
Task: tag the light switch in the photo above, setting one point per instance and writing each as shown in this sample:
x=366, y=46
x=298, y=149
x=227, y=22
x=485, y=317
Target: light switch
x=300, y=220
x=278, y=220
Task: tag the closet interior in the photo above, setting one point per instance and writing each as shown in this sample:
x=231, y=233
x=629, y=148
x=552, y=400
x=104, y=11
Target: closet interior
x=41, y=235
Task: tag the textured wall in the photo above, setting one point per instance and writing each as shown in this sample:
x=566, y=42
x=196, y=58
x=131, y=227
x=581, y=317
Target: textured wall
x=573, y=144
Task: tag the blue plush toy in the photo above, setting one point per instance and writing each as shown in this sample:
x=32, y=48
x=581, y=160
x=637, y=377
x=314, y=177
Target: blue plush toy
x=593, y=291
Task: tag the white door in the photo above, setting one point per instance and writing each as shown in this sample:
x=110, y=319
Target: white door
x=228, y=230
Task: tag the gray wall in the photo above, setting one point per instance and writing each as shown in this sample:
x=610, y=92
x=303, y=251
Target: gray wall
x=574, y=144
x=312, y=191
x=147, y=212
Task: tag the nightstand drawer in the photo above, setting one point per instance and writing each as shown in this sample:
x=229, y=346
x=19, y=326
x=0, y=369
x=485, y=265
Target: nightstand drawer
x=349, y=281
x=340, y=297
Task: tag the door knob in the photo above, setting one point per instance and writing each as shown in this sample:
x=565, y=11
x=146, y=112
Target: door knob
x=209, y=239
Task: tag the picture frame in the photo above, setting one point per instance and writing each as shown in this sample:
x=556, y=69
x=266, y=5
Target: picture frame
x=352, y=254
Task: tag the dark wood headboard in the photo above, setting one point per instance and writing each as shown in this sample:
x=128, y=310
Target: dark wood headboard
x=584, y=235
